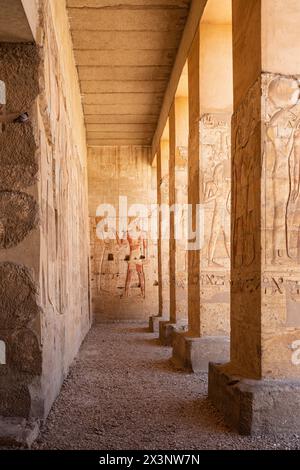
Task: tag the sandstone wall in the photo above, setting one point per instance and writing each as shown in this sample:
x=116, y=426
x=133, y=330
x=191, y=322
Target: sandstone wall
x=114, y=172
x=44, y=247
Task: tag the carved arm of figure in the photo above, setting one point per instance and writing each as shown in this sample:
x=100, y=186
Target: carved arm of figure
x=123, y=240
x=145, y=248
x=210, y=192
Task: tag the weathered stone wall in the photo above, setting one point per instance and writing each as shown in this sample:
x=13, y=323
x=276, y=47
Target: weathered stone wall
x=20, y=311
x=44, y=249
x=113, y=172
x=165, y=243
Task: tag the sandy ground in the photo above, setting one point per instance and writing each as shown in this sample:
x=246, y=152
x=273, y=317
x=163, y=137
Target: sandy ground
x=123, y=393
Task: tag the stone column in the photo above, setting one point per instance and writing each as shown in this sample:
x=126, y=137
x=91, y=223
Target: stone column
x=259, y=389
x=178, y=125
x=155, y=319
x=181, y=185
x=209, y=186
x=165, y=229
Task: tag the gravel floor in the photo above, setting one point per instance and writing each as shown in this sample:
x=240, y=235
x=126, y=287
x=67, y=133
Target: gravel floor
x=122, y=393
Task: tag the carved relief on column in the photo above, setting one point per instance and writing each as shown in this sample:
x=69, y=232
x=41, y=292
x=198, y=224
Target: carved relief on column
x=281, y=223
x=215, y=184
x=281, y=114
x=281, y=198
x=246, y=234
x=246, y=182
x=266, y=223
x=164, y=187
x=181, y=177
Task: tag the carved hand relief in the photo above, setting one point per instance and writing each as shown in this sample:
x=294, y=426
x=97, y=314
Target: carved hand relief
x=215, y=144
x=246, y=164
x=281, y=105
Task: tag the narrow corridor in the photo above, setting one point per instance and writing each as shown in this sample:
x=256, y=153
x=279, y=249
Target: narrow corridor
x=123, y=393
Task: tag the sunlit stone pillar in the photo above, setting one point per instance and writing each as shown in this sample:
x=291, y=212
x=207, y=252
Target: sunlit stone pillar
x=259, y=389
x=178, y=126
x=155, y=319
x=163, y=233
x=181, y=198
x=209, y=185
x=165, y=227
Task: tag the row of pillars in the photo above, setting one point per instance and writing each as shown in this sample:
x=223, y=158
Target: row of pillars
x=231, y=306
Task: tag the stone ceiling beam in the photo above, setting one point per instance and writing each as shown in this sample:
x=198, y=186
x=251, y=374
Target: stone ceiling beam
x=189, y=33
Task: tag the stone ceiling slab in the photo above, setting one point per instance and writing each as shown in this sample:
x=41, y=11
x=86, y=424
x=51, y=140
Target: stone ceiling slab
x=97, y=19
x=125, y=41
x=125, y=51
x=129, y=3
x=131, y=58
x=14, y=26
x=124, y=73
x=129, y=128
x=129, y=86
x=123, y=98
x=121, y=109
x=121, y=119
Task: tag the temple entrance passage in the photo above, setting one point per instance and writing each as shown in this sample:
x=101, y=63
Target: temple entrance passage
x=123, y=393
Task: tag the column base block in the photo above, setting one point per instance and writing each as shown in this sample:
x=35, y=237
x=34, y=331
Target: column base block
x=167, y=330
x=195, y=354
x=18, y=432
x=154, y=323
x=255, y=407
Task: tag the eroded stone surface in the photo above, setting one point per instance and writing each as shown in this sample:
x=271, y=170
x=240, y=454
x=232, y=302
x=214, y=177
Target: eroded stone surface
x=15, y=399
x=18, y=217
x=18, y=166
x=26, y=352
x=19, y=71
x=17, y=297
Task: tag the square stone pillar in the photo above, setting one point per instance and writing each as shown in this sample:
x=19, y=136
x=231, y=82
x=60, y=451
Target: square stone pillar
x=178, y=126
x=163, y=233
x=210, y=106
x=259, y=389
x=181, y=199
x=155, y=319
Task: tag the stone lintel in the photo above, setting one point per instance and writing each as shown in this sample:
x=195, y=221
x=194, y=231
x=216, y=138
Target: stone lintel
x=195, y=353
x=255, y=407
